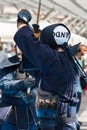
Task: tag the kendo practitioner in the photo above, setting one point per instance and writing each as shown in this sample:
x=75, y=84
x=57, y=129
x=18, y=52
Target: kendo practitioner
x=14, y=95
x=57, y=92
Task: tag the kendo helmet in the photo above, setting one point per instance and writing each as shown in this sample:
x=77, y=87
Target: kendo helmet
x=55, y=35
x=24, y=15
x=6, y=62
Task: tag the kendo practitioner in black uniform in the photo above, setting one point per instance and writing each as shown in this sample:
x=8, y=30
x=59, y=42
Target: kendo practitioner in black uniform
x=57, y=92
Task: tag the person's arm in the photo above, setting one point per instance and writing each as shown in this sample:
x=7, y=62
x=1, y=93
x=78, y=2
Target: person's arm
x=40, y=55
x=11, y=86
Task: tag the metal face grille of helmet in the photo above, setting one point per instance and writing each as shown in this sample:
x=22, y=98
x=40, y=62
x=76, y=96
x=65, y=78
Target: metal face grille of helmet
x=24, y=15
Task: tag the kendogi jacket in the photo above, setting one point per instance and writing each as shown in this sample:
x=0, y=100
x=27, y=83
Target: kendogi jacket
x=59, y=75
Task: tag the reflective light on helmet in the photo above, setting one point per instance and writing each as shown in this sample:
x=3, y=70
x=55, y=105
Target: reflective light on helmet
x=24, y=15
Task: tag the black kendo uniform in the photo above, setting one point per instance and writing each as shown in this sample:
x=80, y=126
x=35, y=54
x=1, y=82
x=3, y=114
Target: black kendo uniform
x=14, y=94
x=59, y=75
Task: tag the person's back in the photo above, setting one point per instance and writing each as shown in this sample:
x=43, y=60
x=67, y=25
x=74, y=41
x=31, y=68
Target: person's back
x=57, y=93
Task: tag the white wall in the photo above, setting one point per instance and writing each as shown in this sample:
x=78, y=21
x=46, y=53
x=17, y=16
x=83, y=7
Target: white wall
x=76, y=39
x=7, y=31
